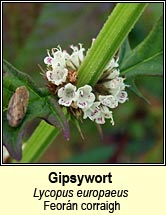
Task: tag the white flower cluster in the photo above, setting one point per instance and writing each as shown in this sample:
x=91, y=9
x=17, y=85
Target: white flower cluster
x=61, y=62
x=62, y=72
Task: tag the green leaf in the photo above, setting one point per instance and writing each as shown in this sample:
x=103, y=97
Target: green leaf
x=134, y=88
x=115, y=30
x=41, y=105
x=147, y=57
x=38, y=142
x=124, y=51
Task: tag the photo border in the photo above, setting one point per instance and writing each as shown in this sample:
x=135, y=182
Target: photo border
x=82, y=164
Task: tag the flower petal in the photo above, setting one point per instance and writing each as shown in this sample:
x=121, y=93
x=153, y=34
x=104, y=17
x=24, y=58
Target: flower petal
x=92, y=112
x=64, y=102
x=113, y=74
x=122, y=97
x=84, y=96
x=91, y=98
x=67, y=94
x=109, y=101
x=86, y=88
x=100, y=120
x=49, y=75
x=61, y=91
x=48, y=60
x=82, y=104
x=58, y=75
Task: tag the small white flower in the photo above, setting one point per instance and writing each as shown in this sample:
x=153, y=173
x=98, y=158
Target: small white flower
x=115, y=85
x=109, y=101
x=75, y=59
x=112, y=64
x=104, y=113
x=116, y=88
x=107, y=114
x=100, y=119
x=67, y=94
x=92, y=112
x=97, y=112
x=57, y=76
x=85, y=97
x=58, y=58
x=113, y=74
x=48, y=59
x=122, y=97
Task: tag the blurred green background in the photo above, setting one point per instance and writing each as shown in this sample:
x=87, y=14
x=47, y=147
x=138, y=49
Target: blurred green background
x=137, y=137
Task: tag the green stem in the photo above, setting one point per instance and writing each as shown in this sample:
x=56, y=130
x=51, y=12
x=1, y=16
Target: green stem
x=115, y=30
